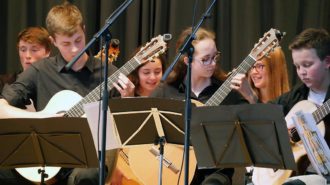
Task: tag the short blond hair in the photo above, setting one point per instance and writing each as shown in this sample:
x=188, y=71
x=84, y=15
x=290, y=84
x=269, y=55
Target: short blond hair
x=63, y=19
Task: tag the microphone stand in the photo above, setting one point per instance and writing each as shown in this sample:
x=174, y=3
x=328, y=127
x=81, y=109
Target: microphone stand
x=188, y=48
x=104, y=31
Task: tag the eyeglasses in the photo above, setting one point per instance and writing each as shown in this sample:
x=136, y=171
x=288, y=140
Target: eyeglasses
x=258, y=67
x=207, y=61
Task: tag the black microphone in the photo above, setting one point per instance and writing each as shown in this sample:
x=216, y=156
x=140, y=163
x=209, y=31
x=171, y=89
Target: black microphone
x=114, y=43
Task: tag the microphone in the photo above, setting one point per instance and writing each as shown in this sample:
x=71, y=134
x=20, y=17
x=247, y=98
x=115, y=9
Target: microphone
x=114, y=43
x=167, y=37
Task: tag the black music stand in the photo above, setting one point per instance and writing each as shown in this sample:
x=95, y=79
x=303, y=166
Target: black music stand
x=149, y=120
x=62, y=142
x=241, y=136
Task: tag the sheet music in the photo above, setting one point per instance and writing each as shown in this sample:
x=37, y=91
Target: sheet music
x=92, y=113
x=317, y=149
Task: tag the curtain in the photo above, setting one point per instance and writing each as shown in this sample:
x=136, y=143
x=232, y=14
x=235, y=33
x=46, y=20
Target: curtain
x=238, y=24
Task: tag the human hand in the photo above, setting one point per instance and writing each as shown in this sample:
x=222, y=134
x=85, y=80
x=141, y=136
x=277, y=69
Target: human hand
x=45, y=114
x=117, y=177
x=240, y=83
x=124, y=86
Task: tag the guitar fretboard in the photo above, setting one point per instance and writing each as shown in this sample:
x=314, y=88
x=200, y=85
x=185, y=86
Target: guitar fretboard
x=95, y=95
x=225, y=89
x=322, y=111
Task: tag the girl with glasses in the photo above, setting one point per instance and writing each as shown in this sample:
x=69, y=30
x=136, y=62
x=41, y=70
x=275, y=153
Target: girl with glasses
x=267, y=79
x=206, y=77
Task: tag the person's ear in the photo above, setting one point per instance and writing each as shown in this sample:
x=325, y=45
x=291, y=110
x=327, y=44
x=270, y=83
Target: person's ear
x=186, y=60
x=52, y=40
x=327, y=61
x=47, y=53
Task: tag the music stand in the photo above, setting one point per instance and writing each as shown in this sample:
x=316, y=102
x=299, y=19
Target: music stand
x=241, y=136
x=62, y=142
x=141, y=121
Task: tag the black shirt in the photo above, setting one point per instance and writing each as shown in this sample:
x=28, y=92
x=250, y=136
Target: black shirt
x=178, y=92
x=7, y=79
x=46, y=77
x=298, y=93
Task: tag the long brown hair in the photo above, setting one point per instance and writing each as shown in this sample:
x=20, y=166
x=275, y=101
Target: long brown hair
x=180, y=70
x=276, y=70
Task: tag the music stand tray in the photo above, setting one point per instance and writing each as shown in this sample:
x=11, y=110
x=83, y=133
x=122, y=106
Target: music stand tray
x=63, y=142
x=241, y=136
x=141, y=122
x=134, y=118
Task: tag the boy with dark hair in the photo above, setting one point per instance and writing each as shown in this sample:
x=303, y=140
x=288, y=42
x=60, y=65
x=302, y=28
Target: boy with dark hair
x=311, y=57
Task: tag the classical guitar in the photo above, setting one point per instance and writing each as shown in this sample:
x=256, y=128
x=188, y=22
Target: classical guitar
x=266, y=44
x=144, y=162
x=279, y=176
x=72, y=103
x=113, y=51
x=129, y=177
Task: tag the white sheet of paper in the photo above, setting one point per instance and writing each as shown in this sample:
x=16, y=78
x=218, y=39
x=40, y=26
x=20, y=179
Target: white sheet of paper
x=92, y=113
x=311, y=125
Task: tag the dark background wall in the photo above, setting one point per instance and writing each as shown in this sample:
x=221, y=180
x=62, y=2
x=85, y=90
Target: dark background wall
x=238, y=24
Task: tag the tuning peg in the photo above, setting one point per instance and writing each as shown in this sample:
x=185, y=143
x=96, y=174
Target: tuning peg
x=266, y=54
x=280, y=35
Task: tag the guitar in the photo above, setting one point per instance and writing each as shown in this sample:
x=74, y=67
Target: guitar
x=144, y=162
x=113, y=52
x=73, y=106
x=129, y=177
x=298, y=149
x=266, y=44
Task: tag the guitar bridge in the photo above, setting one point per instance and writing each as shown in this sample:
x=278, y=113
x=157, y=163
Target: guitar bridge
x=166, y=161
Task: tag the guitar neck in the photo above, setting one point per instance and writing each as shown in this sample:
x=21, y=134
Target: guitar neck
x=322, y=111
x=225, y=89
x=95, y=95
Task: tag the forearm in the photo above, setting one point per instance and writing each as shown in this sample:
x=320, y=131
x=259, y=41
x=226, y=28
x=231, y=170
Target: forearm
x=251, y=97
x=8, y=111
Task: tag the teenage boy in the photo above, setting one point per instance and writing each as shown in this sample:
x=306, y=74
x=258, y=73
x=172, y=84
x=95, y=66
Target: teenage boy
x=45, y=78
x=311, y=58
x=33, y=44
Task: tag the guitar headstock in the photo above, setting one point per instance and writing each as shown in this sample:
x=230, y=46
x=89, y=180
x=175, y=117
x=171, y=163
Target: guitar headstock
x=153, y=48
x=266, y=44
x=113, y=51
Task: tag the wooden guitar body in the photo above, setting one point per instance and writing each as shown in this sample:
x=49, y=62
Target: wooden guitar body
x=144, y=162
